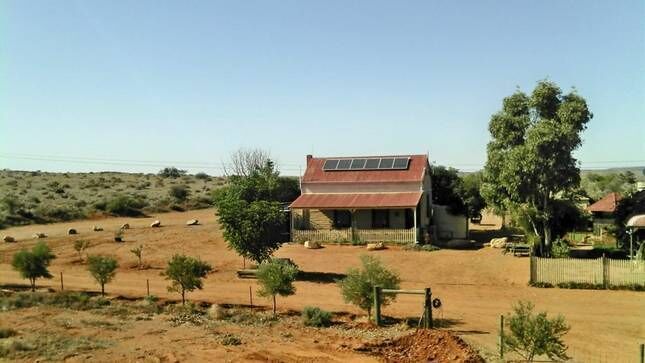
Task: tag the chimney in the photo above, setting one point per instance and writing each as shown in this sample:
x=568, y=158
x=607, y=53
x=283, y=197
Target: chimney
x=309, y=157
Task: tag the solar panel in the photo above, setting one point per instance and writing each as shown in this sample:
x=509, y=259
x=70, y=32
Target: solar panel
x=401, y=163
x=372, y=163
x=386, y=163
x=358, y=164
x=343, y=164
x=330, y=164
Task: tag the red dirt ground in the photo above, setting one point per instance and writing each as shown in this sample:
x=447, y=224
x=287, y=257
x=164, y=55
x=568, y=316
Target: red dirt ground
x=475, y=286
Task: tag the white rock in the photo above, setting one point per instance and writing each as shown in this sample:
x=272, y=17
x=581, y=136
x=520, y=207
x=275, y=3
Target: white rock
x=375, y=246
x=192, y=222
x=155, y=224
x=312, y=245
x=498, y=242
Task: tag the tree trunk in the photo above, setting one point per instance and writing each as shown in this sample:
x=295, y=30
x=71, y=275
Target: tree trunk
x=369, y=314
x=273, y=305
x=547, y=225
x=102, y=289
x=183, y=297
x=33, y=284
x=547, y=238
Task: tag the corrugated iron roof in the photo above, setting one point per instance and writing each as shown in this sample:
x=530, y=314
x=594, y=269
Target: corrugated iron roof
x=414, y=172
x=607, y=204
x=357, y=200
x=637, y=221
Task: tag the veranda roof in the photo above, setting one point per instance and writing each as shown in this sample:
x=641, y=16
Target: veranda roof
x=357, y=200
x=637, y=221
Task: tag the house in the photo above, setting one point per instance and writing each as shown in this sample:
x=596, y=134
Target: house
x=367, y=199
x=603, y=210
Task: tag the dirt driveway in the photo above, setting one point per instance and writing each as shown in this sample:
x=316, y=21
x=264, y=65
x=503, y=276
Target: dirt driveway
x=475, y=286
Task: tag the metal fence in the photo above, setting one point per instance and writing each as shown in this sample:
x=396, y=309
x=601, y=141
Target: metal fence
x=396, y=235
x=600, y=271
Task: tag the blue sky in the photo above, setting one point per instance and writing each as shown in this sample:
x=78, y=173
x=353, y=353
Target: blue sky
x=115, y=83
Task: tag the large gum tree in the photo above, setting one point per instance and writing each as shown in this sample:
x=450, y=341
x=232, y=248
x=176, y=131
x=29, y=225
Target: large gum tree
x=530, y=155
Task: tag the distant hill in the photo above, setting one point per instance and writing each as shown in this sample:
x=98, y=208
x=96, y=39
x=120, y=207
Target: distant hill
x=42, y=197
x=637, y=170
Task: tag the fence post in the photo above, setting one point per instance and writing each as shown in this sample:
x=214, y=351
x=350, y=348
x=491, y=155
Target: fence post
x=427, y=307
x=501, y=337
x=148, y=287
x=250, y=296
x=377, y=305
x=642, y=353
x=532, y=278
x=605, y=272
x=61, y=282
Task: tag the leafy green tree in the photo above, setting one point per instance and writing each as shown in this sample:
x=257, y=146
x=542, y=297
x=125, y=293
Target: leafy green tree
x=186, y=274
x=102, y=269
x=358, y=286
x=461, y=194
x=251, y=214
x=596, y=185
x=179, y=192
x=446, y=185
x=530, y=157
x=532, y=335
x=80, y=246
x=276, y=277
x=470, y=193
x=33, y=264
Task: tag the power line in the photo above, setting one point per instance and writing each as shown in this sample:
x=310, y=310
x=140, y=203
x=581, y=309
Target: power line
x=121, y=162
x=598, y=164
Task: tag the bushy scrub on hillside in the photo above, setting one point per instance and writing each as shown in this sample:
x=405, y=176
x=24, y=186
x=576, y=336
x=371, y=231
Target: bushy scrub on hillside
x=124, y=205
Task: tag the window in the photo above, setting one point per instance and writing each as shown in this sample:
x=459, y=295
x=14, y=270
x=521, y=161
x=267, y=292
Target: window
x=342, y=219
x=380, y=218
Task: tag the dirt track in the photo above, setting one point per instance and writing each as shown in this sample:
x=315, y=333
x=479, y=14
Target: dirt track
x=475, y=286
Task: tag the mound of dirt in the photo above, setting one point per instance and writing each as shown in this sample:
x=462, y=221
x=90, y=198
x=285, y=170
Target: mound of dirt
x=425, y=346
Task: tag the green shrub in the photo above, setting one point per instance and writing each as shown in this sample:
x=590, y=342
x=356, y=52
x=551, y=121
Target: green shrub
x=202, y=176
x=314, y=316
x=276, y=277
x=358, y=287
x=7, y=333
x=531, y=335
x=560, y=249
x=179, y=192
x=186, y=274
x=171, y=172
x=33, y=264
x=123, y=205
x=103, y=269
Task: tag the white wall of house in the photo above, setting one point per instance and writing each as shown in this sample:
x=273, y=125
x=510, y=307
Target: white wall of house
x=448, y=225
